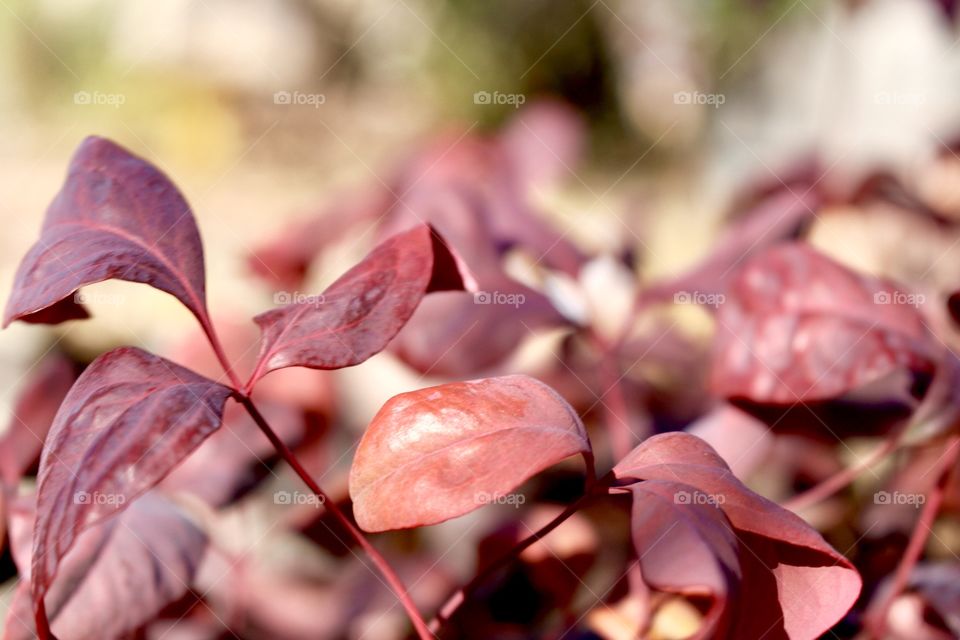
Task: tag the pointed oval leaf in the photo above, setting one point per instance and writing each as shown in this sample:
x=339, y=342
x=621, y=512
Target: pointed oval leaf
x=364, y=309
x=798, y=327
x=129, y=419
x=117, y=216
x=120, y=574
x=440, y=452
x=805, y=586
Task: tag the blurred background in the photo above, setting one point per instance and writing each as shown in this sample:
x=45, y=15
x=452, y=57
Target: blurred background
x=264, y=112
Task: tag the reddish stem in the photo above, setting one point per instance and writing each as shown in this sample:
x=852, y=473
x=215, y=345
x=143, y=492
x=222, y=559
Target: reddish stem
x=453, y=602
x=392, y=579
x=843, y=478
x=214, y=341
x=43, y=625
x=918, y=538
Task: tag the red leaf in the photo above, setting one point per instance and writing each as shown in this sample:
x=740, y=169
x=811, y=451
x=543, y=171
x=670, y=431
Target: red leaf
x=788, y=582
x=771, y=221
x=117, y=216
x=33, y=413
x=440, y=452
x=360, y=313
x=798, y=327
x=462, y=336
x=129, y=419
x=118, y=576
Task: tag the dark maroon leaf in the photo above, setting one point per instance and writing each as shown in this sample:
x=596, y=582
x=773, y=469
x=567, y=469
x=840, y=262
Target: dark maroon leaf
x=798, y=327
x=700, y=530
x=129, y=419
x=459, y=336
x=438, y=453
x=117, y=216
x=118, y=576
x=33, y=414
x=364, y=309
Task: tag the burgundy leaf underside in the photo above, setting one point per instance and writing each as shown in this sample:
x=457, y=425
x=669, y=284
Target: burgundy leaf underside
x=117, y=216
x=118, y=576
x=129, y=419
x=358, y=315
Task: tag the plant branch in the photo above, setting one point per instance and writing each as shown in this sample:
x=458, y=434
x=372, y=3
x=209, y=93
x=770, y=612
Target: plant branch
x=918, y=539
x=43, y=625
x=593, y=487
x=214, y=341
x=385, y=569
x=843, y=478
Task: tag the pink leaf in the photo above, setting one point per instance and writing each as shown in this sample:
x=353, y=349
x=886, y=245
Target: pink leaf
x=360, y=313
x=118, y=576
x=779, y=580
x=129, y=419
x=33, y=414
x=769, y=222
x=798, y=327
x=440, y=452
x=117, y=216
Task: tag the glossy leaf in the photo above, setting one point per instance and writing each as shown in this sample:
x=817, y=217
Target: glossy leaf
x=440, y=452
x=129, y=419
x=117, y=216
x=797, y=327
x=357, y=315
x=118, y=576
x=699, y=530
